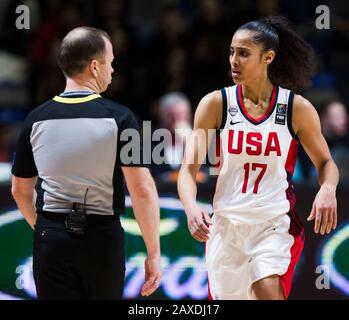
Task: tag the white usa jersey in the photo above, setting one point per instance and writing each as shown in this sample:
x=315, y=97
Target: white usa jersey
x=257, y=159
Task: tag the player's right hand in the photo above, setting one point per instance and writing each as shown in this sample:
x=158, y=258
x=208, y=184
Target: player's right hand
x=198, y=224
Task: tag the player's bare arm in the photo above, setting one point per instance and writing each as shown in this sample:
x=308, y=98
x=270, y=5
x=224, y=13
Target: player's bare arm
x=306, y=124
x=207, y=116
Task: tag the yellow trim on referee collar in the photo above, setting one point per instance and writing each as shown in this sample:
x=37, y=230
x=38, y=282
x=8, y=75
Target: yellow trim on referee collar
x=76, y=100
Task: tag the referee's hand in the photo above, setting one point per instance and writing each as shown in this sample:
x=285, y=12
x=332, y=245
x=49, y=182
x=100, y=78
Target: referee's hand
x=153, y=275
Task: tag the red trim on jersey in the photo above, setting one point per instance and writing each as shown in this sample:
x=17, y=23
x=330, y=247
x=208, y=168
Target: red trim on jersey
x=291, y=157
x=296, y=228
x=289, y=167
x=286, y=279
x=267, y=113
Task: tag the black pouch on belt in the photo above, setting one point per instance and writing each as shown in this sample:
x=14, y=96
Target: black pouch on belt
x=75, y=223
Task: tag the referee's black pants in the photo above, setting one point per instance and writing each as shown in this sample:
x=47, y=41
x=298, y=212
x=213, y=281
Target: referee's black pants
x=69, y=267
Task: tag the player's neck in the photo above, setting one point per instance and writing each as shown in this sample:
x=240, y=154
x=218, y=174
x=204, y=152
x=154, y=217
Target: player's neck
x=258, y=91
x=77, y=84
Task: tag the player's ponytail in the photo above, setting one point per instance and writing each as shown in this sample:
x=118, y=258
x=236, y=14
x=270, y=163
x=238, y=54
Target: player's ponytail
x=293, y=65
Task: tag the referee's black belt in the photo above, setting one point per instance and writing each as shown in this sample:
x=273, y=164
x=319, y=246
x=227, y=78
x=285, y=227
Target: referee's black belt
x=47, y=219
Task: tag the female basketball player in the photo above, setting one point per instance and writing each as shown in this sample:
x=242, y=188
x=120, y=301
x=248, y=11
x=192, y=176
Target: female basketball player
x=254, y=239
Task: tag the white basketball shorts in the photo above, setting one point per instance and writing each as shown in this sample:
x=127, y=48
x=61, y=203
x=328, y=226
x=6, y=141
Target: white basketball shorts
x=237, y=255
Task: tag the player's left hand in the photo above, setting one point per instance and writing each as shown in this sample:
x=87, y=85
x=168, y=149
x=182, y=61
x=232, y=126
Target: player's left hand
x=324, y=210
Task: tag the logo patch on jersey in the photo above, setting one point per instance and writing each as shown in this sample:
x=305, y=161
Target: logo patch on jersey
x=233, y=110
x=281, y=108
x=280, y=119
x=233, y=123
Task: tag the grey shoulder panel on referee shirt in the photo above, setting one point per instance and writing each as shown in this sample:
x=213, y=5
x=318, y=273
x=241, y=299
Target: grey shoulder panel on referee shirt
x=72, y=155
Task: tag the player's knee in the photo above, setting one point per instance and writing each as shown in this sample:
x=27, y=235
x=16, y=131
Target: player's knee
x=268, y=288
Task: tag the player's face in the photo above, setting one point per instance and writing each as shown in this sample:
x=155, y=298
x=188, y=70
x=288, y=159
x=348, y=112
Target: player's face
x=246, y=58
x=105, y=67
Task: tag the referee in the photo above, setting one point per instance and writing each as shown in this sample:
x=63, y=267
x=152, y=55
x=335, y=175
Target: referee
x=70, y=151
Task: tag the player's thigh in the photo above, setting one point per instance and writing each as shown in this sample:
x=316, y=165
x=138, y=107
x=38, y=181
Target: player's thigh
x=226, y=262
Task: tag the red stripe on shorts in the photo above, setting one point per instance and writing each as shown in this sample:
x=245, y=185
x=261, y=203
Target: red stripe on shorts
x=286, y=279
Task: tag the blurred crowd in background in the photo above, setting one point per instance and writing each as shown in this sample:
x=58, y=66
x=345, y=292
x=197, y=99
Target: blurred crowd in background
x=168, y=55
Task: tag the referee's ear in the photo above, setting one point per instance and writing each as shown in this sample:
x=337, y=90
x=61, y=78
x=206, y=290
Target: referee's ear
x=94, y=68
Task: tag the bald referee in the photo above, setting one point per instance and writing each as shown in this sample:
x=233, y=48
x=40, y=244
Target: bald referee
x=70, y=151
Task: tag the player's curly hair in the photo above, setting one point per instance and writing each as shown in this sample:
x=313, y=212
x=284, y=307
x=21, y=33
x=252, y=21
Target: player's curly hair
x=293, y=66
